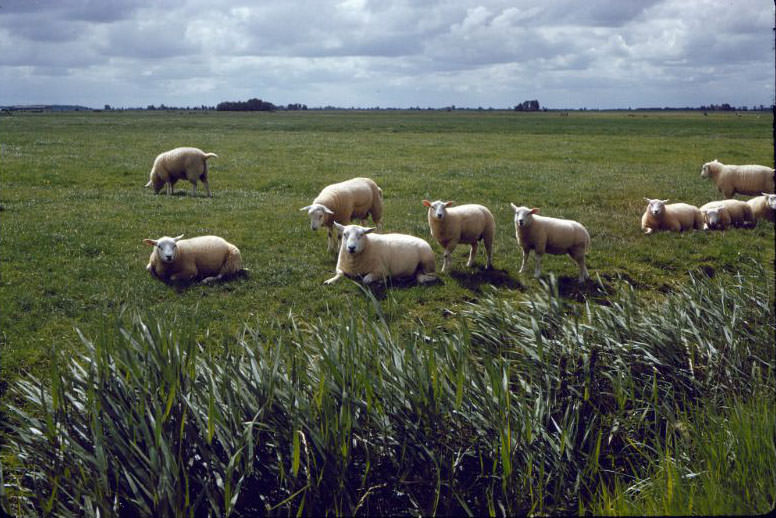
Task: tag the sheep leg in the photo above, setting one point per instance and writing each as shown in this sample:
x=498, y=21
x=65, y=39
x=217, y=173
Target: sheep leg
x=185, y=275
x=579, y=257
x=489, y=252
x=537, y=265
x=194, y=188
x=472, y=253
x=369, y=278
x=334, y=279
x=330, y=241
x=207, y=188
x=210, y=280
x=525, y=257
x=169, y=189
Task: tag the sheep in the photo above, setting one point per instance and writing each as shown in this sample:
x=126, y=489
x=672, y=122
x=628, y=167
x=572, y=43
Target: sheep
x=763, y=207
x=378, y=256
x=676, y=216
x=343, y=201
x=208, y=257
x=181, y=163
x=551, y=235
x=733, y=212
x=467, y=224
x=742, y=179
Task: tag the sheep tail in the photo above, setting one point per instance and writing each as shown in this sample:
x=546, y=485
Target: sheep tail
x=209, y=155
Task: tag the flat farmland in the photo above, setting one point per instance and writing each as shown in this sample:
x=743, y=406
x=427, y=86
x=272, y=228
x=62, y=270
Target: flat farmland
x=487, y=392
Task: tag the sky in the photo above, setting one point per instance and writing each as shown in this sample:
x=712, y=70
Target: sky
x=390, y=53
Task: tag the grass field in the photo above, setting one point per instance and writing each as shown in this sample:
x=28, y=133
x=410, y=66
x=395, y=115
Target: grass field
x=74, y=213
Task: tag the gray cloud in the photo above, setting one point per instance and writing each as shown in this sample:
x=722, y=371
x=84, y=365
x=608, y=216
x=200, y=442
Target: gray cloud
x=598, y=53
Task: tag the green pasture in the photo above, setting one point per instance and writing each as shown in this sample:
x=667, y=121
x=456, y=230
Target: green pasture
x=647, y=390
x=75, y=210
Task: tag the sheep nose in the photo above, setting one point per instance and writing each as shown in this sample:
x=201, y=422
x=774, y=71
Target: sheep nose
x=351, y=248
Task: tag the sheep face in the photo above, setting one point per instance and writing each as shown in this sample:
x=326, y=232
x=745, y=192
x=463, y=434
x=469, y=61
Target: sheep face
x=707, y=168
x=656, y=207
x=156, y=183
x=318, y=215
x=438, y=208
x=523, y=215
x=713, y=217
x=166, y=248
x=770, y=200
x=353, y=237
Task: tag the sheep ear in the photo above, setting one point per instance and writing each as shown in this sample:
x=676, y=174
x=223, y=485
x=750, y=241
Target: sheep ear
x=369, y=230
x=327, y=210
x=448, y=203
x=148, y=184
x=338, y=226
x=426, y=203
x=176, y=239
x=306, y=208
x=149, y=242
x=534, y=211
x=665, y=201
x=514, y=207
x=647, y=200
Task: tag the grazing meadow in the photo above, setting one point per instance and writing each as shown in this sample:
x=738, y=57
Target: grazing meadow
x=648, y=389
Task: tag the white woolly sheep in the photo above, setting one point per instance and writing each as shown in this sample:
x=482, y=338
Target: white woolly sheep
x=344, y=201
x=181, y=163
x=763, y=207
x=468, y=224
x=210, y=258
x=676, y=217
x=742, y=179
x=550, y=235
x=379, y=256
x=734, y=212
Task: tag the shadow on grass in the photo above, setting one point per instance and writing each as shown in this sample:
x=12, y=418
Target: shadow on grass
x=181, y=286
x=598, y=290
x=473, y=280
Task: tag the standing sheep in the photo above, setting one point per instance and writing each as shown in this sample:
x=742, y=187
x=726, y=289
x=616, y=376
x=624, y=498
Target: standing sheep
x=468, y=224
x=743, y=179
x=550, y=235
x=675, y=217
x=378, y=256
x=733, y=212
x=763, y=207
x=181, y=163
x=210, y=258
x=344, y=201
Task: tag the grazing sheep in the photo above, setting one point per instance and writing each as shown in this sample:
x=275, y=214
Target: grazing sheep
x=742, y=179
x=377, y=256
x=467, y=224
x=735, y=212
x=341, y=202
x=676, y=216
x=208, y=257
x=763, y=207
x=181, y=163
x=550, y=235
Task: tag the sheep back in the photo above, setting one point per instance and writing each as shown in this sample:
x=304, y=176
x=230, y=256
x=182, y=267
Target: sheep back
x=553, y=235
x=354, y=198
x=388, y=255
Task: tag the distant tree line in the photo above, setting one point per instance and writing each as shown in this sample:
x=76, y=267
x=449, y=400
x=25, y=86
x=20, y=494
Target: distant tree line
x=528, y=106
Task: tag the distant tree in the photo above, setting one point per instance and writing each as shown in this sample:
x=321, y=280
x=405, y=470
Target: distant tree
x=249, y=105
x=528, y=106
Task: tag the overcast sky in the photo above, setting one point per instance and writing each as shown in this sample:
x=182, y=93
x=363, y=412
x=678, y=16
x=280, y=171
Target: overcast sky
x=388, y=53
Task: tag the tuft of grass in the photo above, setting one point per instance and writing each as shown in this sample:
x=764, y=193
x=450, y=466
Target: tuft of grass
x=541, y=407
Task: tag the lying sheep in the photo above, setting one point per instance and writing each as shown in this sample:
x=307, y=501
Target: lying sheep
x=181, y=163
x=763, y=207
x=675, y=217
x=743, y=179
x=467, y=224
x=378, y=256
x=724, y=213
x=550, y=235
x=210, y=258
x=341, y=202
